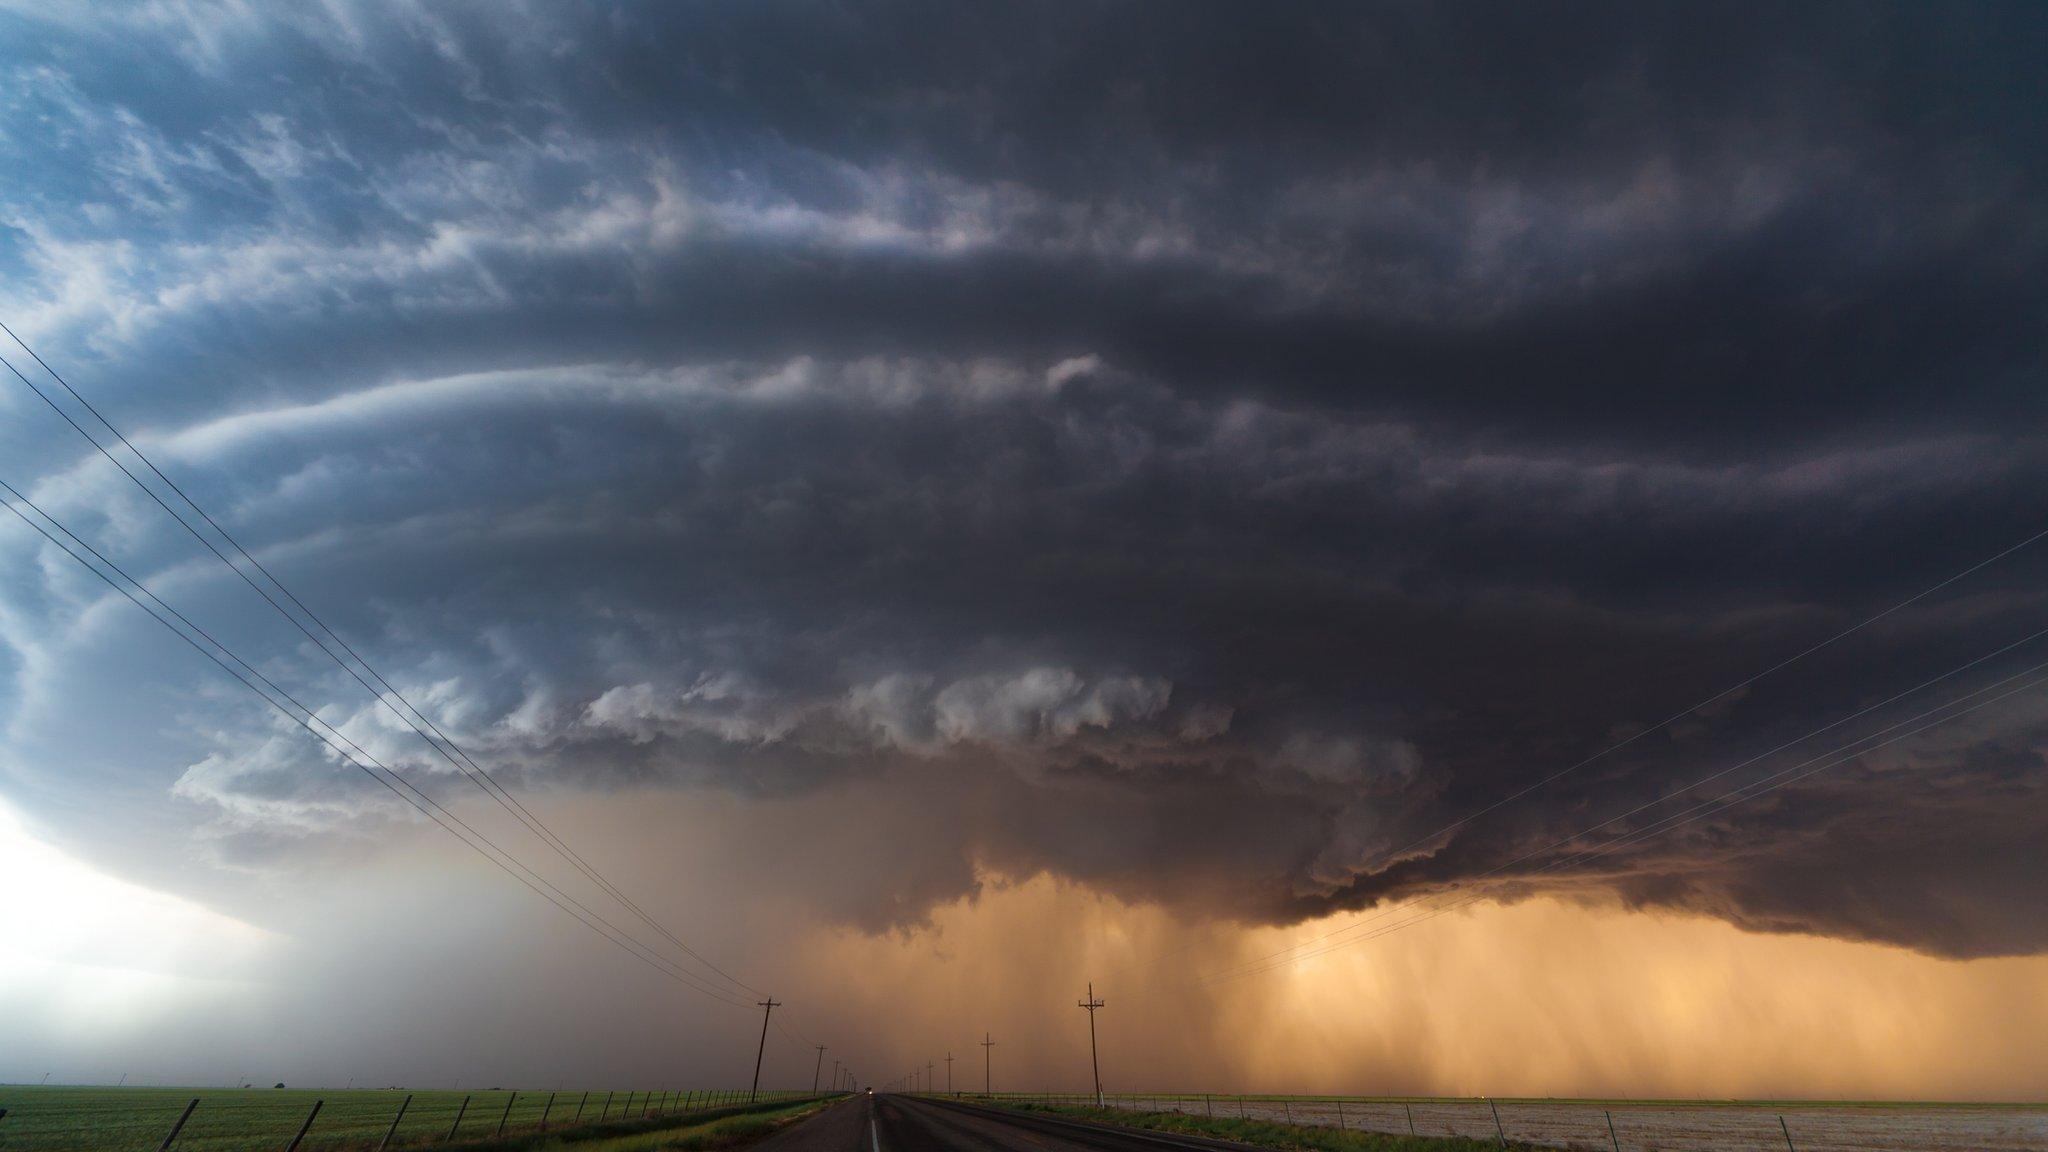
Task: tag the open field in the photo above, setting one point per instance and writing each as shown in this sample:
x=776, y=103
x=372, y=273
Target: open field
x=92, y=1119
x=1638, y=1126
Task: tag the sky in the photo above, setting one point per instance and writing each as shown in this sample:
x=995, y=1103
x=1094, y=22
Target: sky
x=943, y=504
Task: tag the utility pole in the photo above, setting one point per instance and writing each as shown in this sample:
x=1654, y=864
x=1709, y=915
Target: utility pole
x=988, y=1078
x=1091, y=1004
x=767, y=1007
x=815, y=1071
x=928, y=1066
x=949, y=1072
x=835, y=1075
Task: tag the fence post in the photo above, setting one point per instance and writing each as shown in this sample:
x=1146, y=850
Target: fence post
x=607, y=1108
x=686, y=1099
x=544, y=1112
x=1788, y=1135
x=1340, y=1116
x=1611, y=1137
x=1503, y=1133
x=459, y=1114
x=303, y=1128
x=579, y=1107
x=1287, y=1109
x=1410, y=1110
x=1240, y=1107
x=179, y=1126
x=1208, y=1109
x=393, y=1130
x=507, y=1114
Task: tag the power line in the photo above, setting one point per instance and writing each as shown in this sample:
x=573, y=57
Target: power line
x=1254, y=967
x=1830, y=726
x=410, y=715
x=1632, y=738
x=344, y=747
x=1775, y=781
x=1680, y=715
x=1633, y=838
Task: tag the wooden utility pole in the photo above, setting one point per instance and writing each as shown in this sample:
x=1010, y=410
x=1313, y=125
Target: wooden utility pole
x=767, y=1007
x=949, y=1073
x=1091, y=1004
x=928, y=1066
x=987, y=1063
x=816, y=1072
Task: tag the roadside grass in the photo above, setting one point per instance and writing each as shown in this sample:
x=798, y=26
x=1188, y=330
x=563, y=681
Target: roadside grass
x=724, y=1132
x=1270, y=1134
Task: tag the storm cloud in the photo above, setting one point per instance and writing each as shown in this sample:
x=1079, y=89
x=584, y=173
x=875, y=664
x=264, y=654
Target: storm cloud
x=1201, y=455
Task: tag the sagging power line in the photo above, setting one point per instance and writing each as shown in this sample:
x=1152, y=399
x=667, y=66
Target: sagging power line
x=381, y=690
x=337, y=742
x=1940, y=714
x=713, y=980
x=1665, y=723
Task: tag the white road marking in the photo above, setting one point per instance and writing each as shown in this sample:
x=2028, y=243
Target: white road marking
x=874, y=1135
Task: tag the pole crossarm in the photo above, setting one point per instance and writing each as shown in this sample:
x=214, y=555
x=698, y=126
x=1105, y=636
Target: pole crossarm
x=1091, y=1004
x=768, y=1008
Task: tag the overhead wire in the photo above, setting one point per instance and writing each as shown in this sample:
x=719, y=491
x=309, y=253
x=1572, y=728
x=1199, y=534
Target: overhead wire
x=1622, y=842
x=1399, y=852
x=1834, y=758
x=418, y=721
x=384, y=691
x=1667, y=796
x=338, y=742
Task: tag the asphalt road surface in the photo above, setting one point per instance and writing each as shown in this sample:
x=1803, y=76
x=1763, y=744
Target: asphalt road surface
x=890, y=1123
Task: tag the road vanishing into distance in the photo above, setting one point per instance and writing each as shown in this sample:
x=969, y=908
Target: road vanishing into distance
x=893, y=1123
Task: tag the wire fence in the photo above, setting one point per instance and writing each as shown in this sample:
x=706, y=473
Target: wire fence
x=1615, y=1126
x=308, y=1120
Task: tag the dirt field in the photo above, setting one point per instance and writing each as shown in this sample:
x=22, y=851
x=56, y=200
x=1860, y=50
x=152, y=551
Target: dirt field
x=1656, y=1126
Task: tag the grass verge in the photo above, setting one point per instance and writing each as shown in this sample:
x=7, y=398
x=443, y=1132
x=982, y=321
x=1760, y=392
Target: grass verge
x=732, y=1128
x=1271, y=1134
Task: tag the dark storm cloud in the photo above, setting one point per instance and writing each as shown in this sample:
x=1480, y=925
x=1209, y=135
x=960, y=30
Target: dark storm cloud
x=1210, y=452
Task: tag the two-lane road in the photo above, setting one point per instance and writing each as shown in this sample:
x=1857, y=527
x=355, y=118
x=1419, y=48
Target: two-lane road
x=891, y=1123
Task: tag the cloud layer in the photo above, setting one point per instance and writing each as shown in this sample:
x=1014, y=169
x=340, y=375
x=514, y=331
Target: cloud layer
x=1198, y=458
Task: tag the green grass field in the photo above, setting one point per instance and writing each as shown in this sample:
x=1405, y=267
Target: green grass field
x=88, y=1119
